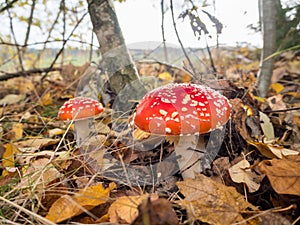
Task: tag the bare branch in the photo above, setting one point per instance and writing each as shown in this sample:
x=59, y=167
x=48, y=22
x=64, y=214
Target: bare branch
x=180, y=42
x=7, y=76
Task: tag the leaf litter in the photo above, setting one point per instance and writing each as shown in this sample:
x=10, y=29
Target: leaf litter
x=254, y=179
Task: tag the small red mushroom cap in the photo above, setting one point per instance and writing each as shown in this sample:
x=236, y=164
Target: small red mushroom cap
x=182, y=109
x=79, y=108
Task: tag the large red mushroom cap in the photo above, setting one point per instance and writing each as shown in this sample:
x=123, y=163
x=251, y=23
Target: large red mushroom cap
x=182, y=109
x=79, y=108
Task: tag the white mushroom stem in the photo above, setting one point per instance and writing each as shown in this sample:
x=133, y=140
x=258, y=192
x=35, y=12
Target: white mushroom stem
x=84, y=130
x=189, y=149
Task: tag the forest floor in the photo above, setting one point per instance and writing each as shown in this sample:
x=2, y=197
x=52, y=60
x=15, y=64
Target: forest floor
x=46, y=179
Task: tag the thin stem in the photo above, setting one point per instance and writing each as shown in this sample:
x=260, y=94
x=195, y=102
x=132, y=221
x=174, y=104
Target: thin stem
x=179, y=40
x=15, y=40
x=163, y=30
x=30, y=19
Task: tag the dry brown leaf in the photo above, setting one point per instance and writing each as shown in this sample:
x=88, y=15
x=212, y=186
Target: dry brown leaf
x=38, y=175
x=212, y=202
x=241, y=173
x=284, y=174
x=156, y=212
x=36, y=143
x=280, y=151
x=266, y=126
x=276, y=102
x=125, y=208
x=272, y=150
x=21, y=84
x=11, y=99
x=68, y=206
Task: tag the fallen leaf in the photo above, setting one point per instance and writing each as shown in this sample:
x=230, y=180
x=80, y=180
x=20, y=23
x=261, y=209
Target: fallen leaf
x=11, y=99
x=85, y=199
x=156, y=212
x=55, y=132
x=271, y=150
x=277, y=87
x=36, y=143
x=17, y=129
x=276, y=102
x=46, y=99
x=266, y=126
x=8, y=160
x=280, y=151
x=166, y=76
x=38, y=175
x=125, y=208
x=283, y=174
x=212, y=202
x=241, y=173
x=22, y=84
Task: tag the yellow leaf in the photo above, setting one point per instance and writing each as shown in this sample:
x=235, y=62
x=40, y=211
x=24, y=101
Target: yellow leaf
x=166, y=76
x=277, y=87
x=8, y=160
x=55, y=132
x=46, y=99
x=259, y=99
x=68, y=206
x=294, y=94
x=17, y=129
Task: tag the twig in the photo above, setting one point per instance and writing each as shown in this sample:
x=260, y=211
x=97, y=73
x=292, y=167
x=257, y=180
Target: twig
x=48, y=37
x=282, y=110
x=15, y=40
x=46, y=42
x=163, y=30
x=8, y=5
x=7, y=76
x=179, y=40
x=63, y=46
x=30, y=19
x=212, y=64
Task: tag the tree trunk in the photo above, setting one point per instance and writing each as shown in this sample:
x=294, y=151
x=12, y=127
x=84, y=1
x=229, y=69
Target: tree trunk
x=268, y=13
x=116, y=61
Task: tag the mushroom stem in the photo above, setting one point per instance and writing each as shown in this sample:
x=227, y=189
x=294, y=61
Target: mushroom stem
x=189, y=152
x=84, y=130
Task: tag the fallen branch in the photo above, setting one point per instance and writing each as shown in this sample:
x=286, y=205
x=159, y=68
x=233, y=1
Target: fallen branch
x=7, y=76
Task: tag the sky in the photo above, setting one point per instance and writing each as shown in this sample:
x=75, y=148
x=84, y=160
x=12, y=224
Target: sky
x=140, y=20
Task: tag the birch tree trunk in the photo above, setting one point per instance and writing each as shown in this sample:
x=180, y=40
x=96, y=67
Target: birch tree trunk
x=268, y=14
x=116, y=61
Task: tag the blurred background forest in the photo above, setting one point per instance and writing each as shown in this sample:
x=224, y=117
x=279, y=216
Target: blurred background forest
x=47, y=34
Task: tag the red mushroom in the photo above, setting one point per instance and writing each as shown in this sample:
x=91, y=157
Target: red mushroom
x=82, y=111
x=184, y=110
